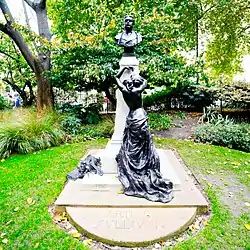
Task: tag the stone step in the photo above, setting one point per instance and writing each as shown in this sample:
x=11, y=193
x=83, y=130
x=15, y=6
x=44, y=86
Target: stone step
x=75, y=197
x=130, y=227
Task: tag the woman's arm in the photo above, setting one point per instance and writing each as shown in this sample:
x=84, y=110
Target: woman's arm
x=119, y=74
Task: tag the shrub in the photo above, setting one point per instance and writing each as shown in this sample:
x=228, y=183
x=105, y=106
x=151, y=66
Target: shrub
x=236, y=136
x=3, y=103
x=193, y=97
x=159, y=121
x=103, y=129
x=159, y=100
x=71, y=125
x=24, y=132
x=87, y=114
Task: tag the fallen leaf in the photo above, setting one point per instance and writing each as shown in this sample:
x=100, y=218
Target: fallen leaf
x=210, y=185
x=2, y=235
x=87, y=242
x=48, y=181
x=247, y=226
x=191, y=227
x=2, y=160
x=8, y=222
x=16, y=209
x=161, y=242
x=37, y=245
x=120, y=192
x=57, y=218
x=205, y=223
x=180, y=239
x=199, y=218
x=226, y=184
x=247, y=204
x=29, y=200
x=168, y=244
x=5, y=241
x=76, y=235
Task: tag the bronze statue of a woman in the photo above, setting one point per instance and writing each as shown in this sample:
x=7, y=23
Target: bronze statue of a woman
x=138, y=162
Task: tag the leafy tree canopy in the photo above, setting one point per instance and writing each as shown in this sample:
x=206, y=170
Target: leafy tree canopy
x=86, y=55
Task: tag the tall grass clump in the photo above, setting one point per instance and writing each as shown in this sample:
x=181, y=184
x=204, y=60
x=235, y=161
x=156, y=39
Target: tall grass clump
x=22, y=131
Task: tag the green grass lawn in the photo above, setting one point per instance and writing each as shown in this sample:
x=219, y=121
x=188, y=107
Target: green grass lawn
x=25, y=176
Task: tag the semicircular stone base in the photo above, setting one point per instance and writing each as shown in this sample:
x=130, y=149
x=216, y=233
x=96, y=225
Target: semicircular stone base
x=130, y=226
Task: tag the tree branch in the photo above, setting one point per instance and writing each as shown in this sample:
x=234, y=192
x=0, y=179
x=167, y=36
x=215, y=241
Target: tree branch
x=6, y=12
x=23, y=47
x=30, y=3
x=43, y=4
x=3, y=52
x=13, y=85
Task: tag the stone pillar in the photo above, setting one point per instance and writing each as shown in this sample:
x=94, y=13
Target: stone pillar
x=113, y=146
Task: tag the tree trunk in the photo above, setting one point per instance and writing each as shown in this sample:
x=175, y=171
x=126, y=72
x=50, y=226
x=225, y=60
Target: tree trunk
x=45, y=98
x=41, y=65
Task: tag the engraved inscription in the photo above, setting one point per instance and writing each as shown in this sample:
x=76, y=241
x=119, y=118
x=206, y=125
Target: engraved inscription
x=124, y=220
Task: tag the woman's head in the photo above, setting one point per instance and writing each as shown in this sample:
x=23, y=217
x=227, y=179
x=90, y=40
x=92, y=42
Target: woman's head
x=136, y=79
x=129, y=84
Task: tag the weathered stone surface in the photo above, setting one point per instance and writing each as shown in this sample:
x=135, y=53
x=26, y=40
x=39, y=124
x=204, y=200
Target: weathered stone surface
x=131, y=226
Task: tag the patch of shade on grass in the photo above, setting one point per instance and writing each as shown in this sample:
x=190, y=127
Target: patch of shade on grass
x=41, y=176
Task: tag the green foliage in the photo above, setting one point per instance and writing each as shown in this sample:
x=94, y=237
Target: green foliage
x=105, y=129
x=189, y=96
x=224, y=25
x=181, y=115
x=235, y=95
x=25, y=133
x=88, y=114
x=159, y=100
x=215, y=118
x=88, y=57
x=236, y=136
x=3, y=103
x=71, y=125
x=159, y=121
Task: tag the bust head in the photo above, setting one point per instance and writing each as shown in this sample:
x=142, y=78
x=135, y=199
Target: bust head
x=129, y=22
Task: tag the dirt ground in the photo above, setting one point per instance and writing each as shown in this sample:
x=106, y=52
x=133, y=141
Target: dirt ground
x=182, y=128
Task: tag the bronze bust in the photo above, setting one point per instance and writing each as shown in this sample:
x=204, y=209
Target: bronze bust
x=128, y=38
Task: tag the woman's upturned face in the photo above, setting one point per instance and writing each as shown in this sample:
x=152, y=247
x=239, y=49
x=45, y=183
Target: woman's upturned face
x=129, y=85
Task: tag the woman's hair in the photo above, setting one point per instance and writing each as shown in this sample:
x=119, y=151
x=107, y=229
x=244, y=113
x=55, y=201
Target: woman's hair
x=135, y=77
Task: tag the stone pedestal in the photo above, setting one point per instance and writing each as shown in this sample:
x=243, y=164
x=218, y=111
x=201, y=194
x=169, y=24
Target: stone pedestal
x=122, y=109
x=97, y=207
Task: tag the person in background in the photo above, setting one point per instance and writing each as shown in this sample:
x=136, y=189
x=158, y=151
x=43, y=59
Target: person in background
x=17, y=101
